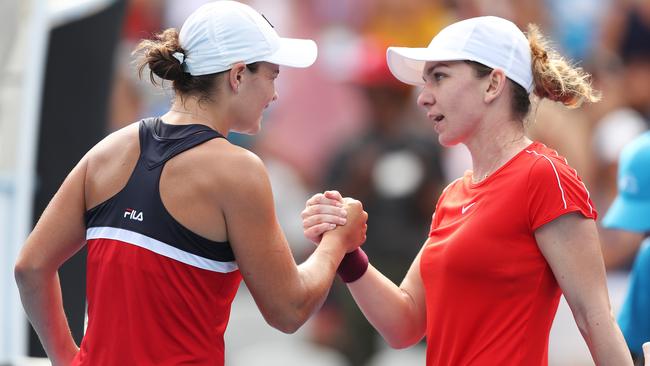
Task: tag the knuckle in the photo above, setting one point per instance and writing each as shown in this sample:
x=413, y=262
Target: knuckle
x=308, y=222
x=314, y=199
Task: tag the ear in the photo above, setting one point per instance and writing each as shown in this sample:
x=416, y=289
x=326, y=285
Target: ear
x=497, y=81
x=235, y=76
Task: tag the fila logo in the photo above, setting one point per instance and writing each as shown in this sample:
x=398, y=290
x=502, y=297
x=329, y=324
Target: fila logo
x=133, y=214
x=465, y=208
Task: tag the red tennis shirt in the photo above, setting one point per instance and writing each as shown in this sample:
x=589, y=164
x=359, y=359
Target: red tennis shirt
x=490, y=294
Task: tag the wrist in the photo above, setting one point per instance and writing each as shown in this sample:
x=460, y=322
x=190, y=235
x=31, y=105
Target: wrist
x=353, y=266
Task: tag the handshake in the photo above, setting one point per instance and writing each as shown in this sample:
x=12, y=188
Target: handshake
x=328, y=214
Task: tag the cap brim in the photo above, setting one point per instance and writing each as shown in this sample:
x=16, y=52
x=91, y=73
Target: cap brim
x=407, y=64
x=628, y=215
x=294, y=52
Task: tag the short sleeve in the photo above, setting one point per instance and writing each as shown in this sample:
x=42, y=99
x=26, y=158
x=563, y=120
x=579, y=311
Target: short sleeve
x=554, y=189
x=433, y=223
x=435, y=219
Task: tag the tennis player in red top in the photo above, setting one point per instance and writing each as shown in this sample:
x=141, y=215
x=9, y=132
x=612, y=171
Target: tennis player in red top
x=507, y=238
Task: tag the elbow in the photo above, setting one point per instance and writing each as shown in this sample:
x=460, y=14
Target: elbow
x=404, y=333
x=22, y=272
x=591, y=321
x=401, y=342
x=287, y=320
x=398, y=344
x=284, y=327
x=27, y=272
x=286, y=323
x=288, y=312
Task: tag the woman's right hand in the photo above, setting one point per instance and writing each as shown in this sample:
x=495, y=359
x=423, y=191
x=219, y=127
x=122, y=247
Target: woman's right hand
x=322, y=213
x=353, y=233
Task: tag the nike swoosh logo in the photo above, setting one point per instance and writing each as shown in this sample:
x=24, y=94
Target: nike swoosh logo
x=465, y=208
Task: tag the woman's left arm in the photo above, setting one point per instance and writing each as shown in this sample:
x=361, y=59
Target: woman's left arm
x=59, y=233
x=571, y=247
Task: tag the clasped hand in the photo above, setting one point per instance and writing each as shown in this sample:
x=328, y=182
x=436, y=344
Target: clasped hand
x=329, y=213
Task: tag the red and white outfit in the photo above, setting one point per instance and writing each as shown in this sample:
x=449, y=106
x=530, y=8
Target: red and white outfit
x=158, y=294
x=490, y=294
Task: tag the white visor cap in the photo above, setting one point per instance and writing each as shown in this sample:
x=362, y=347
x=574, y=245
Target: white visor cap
x=222, y=33
x=492, y=41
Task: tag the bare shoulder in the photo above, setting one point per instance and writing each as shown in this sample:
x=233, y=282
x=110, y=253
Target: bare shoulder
x=234, y=173
x=116, y=150
x=233, y=163
x=124, y=139
x=110, y=163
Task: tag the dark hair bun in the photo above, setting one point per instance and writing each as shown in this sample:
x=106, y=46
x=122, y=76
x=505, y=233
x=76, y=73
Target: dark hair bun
x=158, y=55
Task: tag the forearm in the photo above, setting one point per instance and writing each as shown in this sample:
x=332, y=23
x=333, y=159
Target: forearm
x=390, y=309
x=604, y=339
x=317, y=274
x=42, y=301
x=304, y=289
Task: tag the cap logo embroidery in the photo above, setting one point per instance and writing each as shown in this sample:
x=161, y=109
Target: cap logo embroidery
x=629, y=184
x=267, y=20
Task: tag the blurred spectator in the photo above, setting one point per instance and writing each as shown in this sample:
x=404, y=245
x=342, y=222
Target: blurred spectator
x=394, y=168
x=406, y=22
x=626, y=33
x=631, y=212
x=519, y=12
x=624, y=69
x=576, y=25
x=611, y=134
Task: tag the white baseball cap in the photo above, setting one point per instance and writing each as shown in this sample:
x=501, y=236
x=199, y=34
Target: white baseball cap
x=222, y=33
x=492, y=41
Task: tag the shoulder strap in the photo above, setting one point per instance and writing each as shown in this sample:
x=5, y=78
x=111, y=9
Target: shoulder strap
x=160, y=142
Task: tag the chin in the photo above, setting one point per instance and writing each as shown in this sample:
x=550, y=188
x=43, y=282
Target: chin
x=254, y=130
x=249, y=130
x=446, y=142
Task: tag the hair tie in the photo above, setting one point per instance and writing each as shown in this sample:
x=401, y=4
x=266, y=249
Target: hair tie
x=179, y=56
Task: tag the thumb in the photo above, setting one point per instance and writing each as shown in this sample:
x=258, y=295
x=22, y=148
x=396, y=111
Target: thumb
x=646, y=353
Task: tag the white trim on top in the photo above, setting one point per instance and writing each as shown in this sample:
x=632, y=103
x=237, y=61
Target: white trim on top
x=557, y=176
x=156, y=246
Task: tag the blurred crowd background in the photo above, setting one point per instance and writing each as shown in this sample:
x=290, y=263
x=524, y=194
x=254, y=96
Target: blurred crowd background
x=347, y=124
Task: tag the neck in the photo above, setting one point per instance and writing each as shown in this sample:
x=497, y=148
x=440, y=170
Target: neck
x=190, y=111
x=495, y=144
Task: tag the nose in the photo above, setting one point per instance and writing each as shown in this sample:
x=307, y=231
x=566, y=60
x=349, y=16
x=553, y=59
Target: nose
x=275, y=96
x=425, y=98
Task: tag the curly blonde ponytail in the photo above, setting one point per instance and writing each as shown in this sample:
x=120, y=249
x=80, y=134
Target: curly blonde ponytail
x=554, y=77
